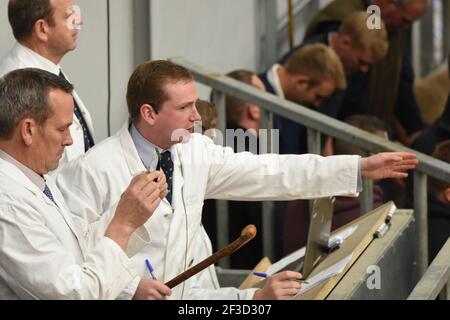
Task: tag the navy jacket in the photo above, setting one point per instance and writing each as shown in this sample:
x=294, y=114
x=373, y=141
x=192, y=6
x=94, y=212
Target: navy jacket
x=293, y=136
x=355, y=101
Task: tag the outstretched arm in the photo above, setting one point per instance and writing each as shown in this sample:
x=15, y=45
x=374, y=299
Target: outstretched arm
x=388, y=165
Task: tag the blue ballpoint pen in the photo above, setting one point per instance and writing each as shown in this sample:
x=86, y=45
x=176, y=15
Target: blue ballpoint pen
x=150, y=269
x=264, y=275
x=259, y=274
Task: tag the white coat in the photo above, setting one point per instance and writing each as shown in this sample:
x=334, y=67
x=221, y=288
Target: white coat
x=47, y=253
x=20, y=57
x=202, y=170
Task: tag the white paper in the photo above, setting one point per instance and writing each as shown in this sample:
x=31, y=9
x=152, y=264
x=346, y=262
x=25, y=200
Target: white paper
x=324, y=275
x=281, y=264
x=341, y=236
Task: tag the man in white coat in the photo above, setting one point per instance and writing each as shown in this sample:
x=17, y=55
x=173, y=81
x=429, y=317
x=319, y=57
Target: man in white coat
x=47, y=253
x=46, y=30
x=162, y=100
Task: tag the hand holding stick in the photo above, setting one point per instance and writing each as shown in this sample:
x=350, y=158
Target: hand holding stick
x=246, y=235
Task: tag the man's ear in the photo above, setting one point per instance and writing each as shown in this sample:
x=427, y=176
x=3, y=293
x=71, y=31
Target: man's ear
x=447, y=195
x=148, y=114
x=41, y=29
x=28, y=128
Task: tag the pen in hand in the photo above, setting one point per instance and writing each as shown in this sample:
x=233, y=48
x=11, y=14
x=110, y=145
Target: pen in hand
x=150, y=269
x=264, y=275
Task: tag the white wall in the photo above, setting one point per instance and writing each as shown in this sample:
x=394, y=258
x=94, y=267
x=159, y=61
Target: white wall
x=6, y=38
x=301, y=22
x=87, y=66
x=217, y=34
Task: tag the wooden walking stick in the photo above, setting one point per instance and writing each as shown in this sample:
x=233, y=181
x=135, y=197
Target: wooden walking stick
x=246, y=235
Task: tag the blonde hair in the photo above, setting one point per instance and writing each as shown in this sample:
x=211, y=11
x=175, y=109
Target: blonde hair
x=355, y=26
x=209, y=113
x=319, y=62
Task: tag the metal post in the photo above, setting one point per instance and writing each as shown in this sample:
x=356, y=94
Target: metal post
x=291, y=36
x=421, y=216
x=435, y=281
x=447, y=289
x=445, y=293
x=267, y=206
x=314, y=145
x=446, y=19
x=366, y=198
x=223, y=225
x=269, y=24
x=416, y=48
x=142, y=31
x=427, y=34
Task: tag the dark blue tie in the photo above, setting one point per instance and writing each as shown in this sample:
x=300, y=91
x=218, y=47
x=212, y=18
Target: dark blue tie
x=49, y=194
x=167, y=167
x=88, y=141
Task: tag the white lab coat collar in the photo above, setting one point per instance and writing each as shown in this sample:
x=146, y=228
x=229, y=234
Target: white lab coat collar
x=38, y=180
x=146, y=149
x=29, y=55
x=274, y=80
x=131, y=154
x=15, y=174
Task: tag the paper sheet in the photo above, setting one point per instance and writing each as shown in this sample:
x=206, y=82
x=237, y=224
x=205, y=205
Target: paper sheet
x=341, y=236
x=281, y=264
x=324, y=275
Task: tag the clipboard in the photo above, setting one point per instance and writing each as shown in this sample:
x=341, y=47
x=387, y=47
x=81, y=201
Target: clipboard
x=367, y=226
x=317, y=246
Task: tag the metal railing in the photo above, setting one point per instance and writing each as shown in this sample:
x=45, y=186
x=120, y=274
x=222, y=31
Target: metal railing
x=318, y=124
x=436, y=281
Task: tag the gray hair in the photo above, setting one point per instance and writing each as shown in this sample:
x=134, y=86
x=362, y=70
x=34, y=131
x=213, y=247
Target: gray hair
x=24, y=94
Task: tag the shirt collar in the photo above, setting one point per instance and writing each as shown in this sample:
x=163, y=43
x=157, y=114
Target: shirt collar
x=145, y=149
x=274, y=80
x=35, y=178
x=44, y=62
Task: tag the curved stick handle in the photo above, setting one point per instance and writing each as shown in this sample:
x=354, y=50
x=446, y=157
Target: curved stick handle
x=246, y=235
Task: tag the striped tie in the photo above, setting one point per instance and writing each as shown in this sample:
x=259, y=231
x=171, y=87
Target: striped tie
x=167, y=167
x=49, y=194
x=88, y=141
